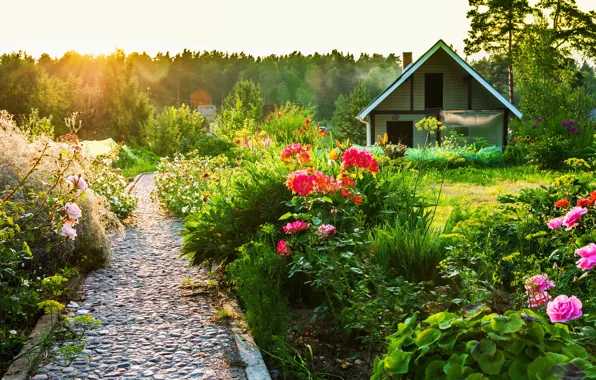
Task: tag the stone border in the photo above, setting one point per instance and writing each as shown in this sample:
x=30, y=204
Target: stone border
x=31, y=353
x=249, y=352
x=132, y=184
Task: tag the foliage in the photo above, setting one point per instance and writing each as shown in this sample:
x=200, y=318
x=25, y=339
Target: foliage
x=110, y=183
x=242, y=108
x=174, y=130
x=283, y=125
x=259, y=275
x=479, y=344
x=134, y=161
x=557, y=125
x=345, y=124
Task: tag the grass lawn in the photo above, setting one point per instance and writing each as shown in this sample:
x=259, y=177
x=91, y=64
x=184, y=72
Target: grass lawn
x=468, y=188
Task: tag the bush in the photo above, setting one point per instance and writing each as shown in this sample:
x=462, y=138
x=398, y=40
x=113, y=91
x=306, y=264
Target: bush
x=259, y=276
x=478, y=345
x=243, y=108
x=292, y=124
x=234, y=213
x=174, y=130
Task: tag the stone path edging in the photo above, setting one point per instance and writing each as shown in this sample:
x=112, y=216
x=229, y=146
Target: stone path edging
x=31, y=353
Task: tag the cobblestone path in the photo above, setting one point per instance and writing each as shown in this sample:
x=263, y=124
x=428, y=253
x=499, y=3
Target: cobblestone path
x=150, y=329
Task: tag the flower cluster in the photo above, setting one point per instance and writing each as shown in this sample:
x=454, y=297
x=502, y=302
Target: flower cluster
x=570, y=220
x=362, y=159
x=296, y=151
x=536, y=290
x=295, y=227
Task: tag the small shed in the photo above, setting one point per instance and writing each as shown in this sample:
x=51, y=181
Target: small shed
x=439, y=84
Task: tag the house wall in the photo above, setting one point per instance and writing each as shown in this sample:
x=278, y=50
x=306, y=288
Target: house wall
x=455, y=97
x=455, y=88
x=419, y=136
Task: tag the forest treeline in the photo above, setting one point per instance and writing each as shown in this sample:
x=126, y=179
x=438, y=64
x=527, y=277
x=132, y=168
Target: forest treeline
x=114, y=93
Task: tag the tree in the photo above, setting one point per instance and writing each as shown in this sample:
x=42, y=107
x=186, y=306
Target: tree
x=344, y=118
x=571, y=27
x=242, y=106
x=495, y=70
x=496, y=28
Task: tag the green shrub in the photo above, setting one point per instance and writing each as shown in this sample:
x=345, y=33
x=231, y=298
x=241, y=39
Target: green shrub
x=242, y=109
x=174, y=130
x=479, y=345
x=259, y=276
x=234, y=213
x=213, y=146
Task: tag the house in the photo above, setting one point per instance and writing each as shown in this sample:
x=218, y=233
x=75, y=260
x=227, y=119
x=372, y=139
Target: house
x=442, y=85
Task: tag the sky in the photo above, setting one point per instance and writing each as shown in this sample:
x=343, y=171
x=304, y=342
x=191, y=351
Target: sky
x=257, y=27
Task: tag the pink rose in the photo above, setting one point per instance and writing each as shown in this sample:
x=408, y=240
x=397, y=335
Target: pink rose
x=588, y=257
x=327, y=230
x=69, y=231
x=73, y=211
x=564, y=308
x=553, y=224
x=575, y=214
x=77, y=181
x=537, y=299
x=538, y=283
x=295, y=227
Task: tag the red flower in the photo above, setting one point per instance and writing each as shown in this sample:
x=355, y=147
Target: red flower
x=584, y=202
x=296, y=151
x=357, y=199
x=562, y=203
x=282, y=248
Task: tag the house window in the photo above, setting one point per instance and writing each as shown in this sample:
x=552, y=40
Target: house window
x=433, y=90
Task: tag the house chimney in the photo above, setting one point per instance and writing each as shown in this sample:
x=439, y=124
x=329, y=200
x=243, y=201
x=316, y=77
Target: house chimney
x=406, y=60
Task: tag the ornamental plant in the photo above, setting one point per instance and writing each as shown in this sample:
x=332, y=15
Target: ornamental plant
x=479, y=344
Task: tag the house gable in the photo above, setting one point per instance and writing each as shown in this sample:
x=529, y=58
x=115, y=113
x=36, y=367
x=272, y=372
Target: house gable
x=440, y=58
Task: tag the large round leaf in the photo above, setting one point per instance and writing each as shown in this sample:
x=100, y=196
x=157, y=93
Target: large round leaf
x=427, y=337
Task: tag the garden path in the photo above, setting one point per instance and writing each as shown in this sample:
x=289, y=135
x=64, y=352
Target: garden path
x=150, y=329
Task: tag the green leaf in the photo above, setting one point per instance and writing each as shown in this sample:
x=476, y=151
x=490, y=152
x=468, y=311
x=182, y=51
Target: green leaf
x=506, y=325
x=535, y=334
x=327, y=199
x=438, y=318
x=517, y=371
x=475, y=376
x=411, y=322
x=568, y=371
x=491, y=364
x=434, y=370
x=573, y=351
x=485, y=347
x=542, y=367
x=316, y=221
x=285, y=216
x=447, y=341
x=427, y=337
x=398, y=362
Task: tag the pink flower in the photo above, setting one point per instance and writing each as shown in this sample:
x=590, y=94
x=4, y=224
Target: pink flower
x=296, y=151
x=588, y=257
x=73, y=211
x=553, y=224
x=327, y=230
x=77, y=181
x=295, y=227
x=282, y=248
x=564, y=308
x=539, y=283
x=69, y=231
x=575, y=214
x=537, y=299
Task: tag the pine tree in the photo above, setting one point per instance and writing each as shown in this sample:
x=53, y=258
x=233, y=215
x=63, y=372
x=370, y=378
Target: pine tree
x=344, y=118
x=496, y=27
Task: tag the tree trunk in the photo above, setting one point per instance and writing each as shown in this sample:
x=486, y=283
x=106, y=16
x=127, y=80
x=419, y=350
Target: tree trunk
x=510, y=48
